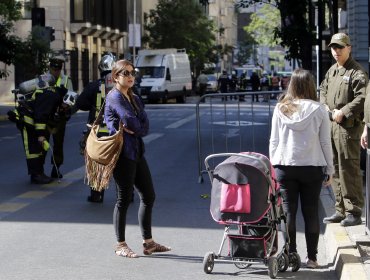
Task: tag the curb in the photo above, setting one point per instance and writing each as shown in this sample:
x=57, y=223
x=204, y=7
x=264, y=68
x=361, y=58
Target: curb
x=342, y=251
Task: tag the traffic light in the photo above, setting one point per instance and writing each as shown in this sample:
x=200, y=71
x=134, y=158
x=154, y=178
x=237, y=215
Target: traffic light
x=51, y=33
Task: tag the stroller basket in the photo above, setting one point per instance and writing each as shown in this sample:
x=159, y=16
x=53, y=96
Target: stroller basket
x=248, y=247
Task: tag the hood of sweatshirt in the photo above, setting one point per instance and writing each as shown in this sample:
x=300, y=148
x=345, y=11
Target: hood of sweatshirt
x=300, y=119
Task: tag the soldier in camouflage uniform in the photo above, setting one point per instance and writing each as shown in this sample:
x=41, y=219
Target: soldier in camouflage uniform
x=343, y=91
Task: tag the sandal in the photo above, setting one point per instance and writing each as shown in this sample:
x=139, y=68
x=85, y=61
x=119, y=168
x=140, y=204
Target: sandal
x=123, y=250
x=153, y=247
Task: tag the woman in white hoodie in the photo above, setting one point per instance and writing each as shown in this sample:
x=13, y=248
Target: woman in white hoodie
x=301, y=153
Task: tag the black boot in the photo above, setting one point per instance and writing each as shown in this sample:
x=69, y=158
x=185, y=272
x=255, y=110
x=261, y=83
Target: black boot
x=40, y=179
x=351, y=220
x=96, y=196
x=55, y=173
x=335, y=218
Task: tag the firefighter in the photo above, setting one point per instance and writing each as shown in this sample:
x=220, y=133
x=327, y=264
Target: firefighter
x=35, y=117
x=63, y=83
x=91, y=99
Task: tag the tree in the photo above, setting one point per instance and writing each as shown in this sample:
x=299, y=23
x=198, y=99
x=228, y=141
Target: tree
x=33, y=54
x=9, y=12
x=246, y=49
x=263, y=24
x=295, y=31
x=181, y=24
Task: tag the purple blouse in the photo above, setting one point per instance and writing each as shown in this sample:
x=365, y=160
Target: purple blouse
x=117, y=108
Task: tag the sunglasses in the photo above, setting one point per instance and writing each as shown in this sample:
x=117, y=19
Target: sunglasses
x=126, y=73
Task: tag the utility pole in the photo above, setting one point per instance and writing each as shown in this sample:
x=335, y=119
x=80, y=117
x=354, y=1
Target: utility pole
x=134, y=34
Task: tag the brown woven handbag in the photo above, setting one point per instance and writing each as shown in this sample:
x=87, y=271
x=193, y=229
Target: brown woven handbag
x=101, y=155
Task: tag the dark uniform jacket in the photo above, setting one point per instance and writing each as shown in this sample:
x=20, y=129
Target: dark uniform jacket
x=344, y=88
x=86, y=101
x=45, y=106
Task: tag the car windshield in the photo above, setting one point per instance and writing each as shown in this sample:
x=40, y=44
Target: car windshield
x=152, y=72
x=212, y=78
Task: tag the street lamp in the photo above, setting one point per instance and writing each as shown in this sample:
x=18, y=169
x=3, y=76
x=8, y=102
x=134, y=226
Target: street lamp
x=318, y=24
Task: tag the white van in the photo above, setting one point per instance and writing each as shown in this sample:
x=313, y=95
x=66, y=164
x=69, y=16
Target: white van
x=164, y=73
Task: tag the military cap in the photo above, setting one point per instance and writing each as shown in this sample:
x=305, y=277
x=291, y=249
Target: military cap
x=340, y=39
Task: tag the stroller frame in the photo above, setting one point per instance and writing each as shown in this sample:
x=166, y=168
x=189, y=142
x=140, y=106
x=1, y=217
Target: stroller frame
x=245, y=245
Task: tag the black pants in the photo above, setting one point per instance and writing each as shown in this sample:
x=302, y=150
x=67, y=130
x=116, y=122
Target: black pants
x=58, y=142
x=35, y=155
x=304, y=183
x=127, y=174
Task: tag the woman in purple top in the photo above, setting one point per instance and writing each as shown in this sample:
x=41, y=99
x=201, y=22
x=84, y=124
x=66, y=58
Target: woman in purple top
x=131, y=169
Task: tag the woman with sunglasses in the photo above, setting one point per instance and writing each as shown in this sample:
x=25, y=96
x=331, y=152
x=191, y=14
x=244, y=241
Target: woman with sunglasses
x=131, y=169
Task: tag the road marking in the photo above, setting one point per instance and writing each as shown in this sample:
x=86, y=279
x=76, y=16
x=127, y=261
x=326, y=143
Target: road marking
x=239, y=123
x=232, y=133
x=10, y=207
x=182, y=121
x=35, y=194
x=151, y=137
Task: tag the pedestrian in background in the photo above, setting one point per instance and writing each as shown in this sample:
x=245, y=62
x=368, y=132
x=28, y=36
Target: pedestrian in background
x=202, y=82
x=301, y=153
x=62, y=85
x=131, y=169
x=223, y=84
x=343, y=92
x=255, y=81
x=92, y=99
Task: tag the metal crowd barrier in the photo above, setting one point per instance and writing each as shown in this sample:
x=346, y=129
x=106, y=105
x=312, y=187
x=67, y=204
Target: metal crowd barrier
x=231, y=122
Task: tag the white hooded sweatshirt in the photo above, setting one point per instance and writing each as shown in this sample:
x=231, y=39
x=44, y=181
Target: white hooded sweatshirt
x=302, y=139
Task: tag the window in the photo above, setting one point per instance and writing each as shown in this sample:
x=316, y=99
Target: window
x=77, y=10
x=26, y=8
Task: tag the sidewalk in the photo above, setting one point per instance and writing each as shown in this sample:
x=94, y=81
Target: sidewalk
x=347, y=248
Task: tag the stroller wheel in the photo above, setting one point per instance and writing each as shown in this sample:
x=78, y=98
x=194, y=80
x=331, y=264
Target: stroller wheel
x=283, y=262
x=273, y=267
x=208, y=262
x=294, y=261
x=241, y=265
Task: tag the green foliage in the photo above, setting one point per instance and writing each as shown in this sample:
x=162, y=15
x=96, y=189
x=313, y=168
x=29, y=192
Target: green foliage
x=181, y=24
x=246, y=49
x=294, y=31
x=31, y=54
x=263, y=24
x=34, y=53
x=9, y=12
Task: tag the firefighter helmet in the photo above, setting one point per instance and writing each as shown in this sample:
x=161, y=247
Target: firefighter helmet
x=106, y=63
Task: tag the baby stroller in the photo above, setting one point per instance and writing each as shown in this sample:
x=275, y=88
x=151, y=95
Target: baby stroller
x=245, y=198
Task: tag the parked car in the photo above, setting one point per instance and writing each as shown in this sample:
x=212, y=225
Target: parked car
x=212, y=83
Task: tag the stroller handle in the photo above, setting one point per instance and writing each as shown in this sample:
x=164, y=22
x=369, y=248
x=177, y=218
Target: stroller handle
x=245, y=155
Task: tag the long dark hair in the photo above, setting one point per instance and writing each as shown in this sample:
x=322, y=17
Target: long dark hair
x=301, y=86
x=119, y=67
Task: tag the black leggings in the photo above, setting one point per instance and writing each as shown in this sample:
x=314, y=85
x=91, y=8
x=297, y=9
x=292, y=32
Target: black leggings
x=302, y=182
x=127, y=174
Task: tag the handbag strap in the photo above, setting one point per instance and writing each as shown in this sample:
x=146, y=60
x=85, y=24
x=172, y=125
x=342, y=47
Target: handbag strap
x=99, y=116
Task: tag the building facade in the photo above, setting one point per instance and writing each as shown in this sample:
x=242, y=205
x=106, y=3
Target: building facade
x=84, y=31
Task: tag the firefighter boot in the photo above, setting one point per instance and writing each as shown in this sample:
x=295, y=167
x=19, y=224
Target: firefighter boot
x=40, y=179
